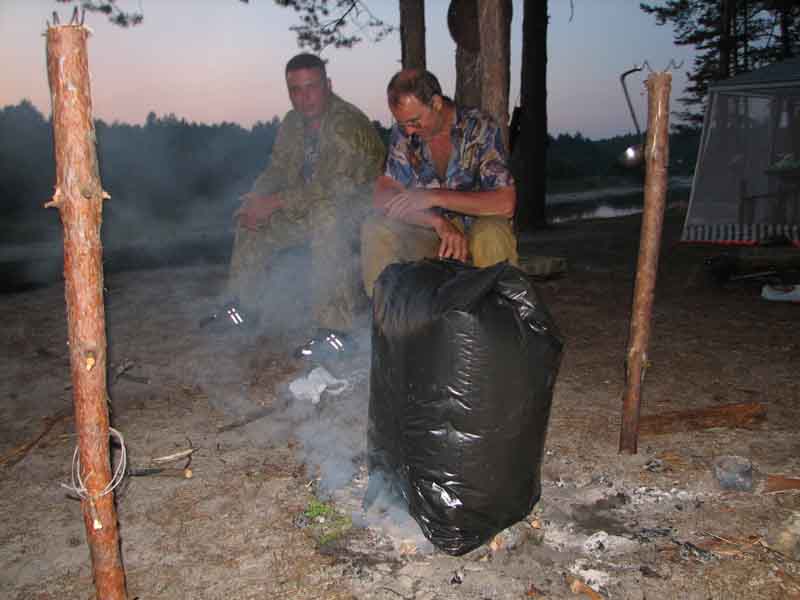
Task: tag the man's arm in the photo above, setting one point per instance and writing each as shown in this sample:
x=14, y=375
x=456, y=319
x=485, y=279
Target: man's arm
x=404, y=205
x=263, y=199
x=453, y=242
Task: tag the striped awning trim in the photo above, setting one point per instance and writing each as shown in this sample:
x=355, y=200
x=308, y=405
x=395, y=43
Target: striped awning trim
x=736, y=233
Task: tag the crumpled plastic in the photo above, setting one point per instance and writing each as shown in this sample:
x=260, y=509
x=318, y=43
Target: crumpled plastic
x=464, y=361
x=312, y=386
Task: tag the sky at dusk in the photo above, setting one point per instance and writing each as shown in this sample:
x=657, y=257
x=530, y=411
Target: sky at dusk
x=222, y=60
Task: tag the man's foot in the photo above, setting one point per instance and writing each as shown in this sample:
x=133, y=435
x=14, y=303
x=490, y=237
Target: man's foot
x=327, y=344
x=229, y=316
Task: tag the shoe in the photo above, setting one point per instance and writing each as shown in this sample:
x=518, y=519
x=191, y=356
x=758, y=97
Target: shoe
x=327, y=343
x=781, y=293
x=229, y=314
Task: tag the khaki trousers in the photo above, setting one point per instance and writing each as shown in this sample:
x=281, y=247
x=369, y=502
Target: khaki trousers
x=385, y=241
x=334, y=280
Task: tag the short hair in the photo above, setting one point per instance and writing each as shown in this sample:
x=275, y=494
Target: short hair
x=306, y=61
x=419, y=83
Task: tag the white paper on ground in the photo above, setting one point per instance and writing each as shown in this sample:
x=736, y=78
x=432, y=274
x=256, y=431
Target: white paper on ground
x=317, y=381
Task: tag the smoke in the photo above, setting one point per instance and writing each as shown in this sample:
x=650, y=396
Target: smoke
x=330, y=438
x=174, y=186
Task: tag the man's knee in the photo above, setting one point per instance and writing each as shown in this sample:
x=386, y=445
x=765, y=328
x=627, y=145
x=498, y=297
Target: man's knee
x=380, y=246
x=492, y=240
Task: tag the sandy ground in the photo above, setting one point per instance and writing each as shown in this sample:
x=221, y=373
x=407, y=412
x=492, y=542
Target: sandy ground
x=273, y=508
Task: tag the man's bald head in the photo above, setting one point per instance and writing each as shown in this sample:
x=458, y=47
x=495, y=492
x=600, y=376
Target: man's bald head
x=419, y=83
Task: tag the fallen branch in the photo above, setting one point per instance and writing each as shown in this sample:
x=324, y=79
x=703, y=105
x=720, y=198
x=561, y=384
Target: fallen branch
x=18, y=453
x=255, y=415
x=730, y=415
x=780, y=483
x=176, y=456
x=180, y=472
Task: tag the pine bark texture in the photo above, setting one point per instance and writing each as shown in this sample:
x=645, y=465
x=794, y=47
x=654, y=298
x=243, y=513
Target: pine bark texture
x=655, y=193
x=468, y=78
x=79, y=197
x=412, y=33
x=494, y=19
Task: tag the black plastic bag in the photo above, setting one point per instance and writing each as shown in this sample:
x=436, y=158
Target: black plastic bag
x=463, y=366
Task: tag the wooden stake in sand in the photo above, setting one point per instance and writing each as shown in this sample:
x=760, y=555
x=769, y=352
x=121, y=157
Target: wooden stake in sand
x=79, y=198
x=655, y=193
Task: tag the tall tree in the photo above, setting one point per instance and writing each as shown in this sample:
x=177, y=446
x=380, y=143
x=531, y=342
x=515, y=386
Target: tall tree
x=529, y=153
x=494, y=32
x=462, y=20
x=731, y=37
x=412, y=33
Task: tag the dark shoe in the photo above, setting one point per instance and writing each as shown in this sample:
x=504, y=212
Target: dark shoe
x=230, y=315
x=327, y=344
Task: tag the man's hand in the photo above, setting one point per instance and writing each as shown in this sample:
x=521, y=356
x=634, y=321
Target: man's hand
x=256, y=209
x=409, y=202
x=454, y=243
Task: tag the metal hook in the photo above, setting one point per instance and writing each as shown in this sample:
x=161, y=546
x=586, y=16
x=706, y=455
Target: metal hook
x=622, y=77
x=56, y=20
x=74, y=19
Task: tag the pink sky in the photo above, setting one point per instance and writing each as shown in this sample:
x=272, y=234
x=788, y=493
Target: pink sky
x=222, y=60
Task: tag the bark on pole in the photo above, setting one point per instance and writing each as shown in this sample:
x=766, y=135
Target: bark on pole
x=79, y=197
x=655, y=193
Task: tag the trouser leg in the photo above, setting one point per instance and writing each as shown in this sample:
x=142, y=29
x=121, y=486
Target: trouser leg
x=492, y=240
x=253, y=253
x=335, y=286
x=385, y=241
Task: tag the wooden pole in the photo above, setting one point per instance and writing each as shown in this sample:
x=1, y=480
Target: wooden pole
x=79, y=197
x=655, y=193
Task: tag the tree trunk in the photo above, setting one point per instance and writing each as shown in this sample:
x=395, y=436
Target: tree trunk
x=468, y=78
x=79, y=197
x=494, y=18
x=786, y=36
x=530, y=152
x=727, y=15
x=412, y=33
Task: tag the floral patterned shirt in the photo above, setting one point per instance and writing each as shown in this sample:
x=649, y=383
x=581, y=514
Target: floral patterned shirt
x=478, y=162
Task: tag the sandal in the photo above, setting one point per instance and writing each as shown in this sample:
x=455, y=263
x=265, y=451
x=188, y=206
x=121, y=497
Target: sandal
x=230, y=314
x=327, y=343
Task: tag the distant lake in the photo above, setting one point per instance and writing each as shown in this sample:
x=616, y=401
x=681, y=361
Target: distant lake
x=609, y=202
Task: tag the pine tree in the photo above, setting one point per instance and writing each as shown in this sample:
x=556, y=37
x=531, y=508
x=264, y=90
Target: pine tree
x=730, y=36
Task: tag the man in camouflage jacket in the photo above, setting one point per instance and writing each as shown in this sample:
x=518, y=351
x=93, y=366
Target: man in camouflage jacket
x=316, y=190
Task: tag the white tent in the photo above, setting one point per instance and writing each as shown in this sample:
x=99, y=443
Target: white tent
x=746, y=187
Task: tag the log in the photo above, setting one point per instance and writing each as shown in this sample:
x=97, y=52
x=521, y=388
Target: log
x=729, y=415
x=655, y=194
x=79, y=197
x=780, y=483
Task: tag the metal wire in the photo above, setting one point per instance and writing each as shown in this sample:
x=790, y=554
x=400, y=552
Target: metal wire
x=77, y=486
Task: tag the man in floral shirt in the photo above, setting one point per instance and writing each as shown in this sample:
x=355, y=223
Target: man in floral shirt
x=446, y=190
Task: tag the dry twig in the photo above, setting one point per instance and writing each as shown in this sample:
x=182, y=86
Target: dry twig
x=17, y=454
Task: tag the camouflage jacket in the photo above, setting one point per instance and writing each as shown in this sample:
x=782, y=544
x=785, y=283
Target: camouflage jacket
x=351, y=156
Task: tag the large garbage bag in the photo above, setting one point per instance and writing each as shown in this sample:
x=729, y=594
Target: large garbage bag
x=463, y=366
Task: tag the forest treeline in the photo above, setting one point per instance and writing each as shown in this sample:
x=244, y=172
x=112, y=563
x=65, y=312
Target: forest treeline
x=172, y=170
